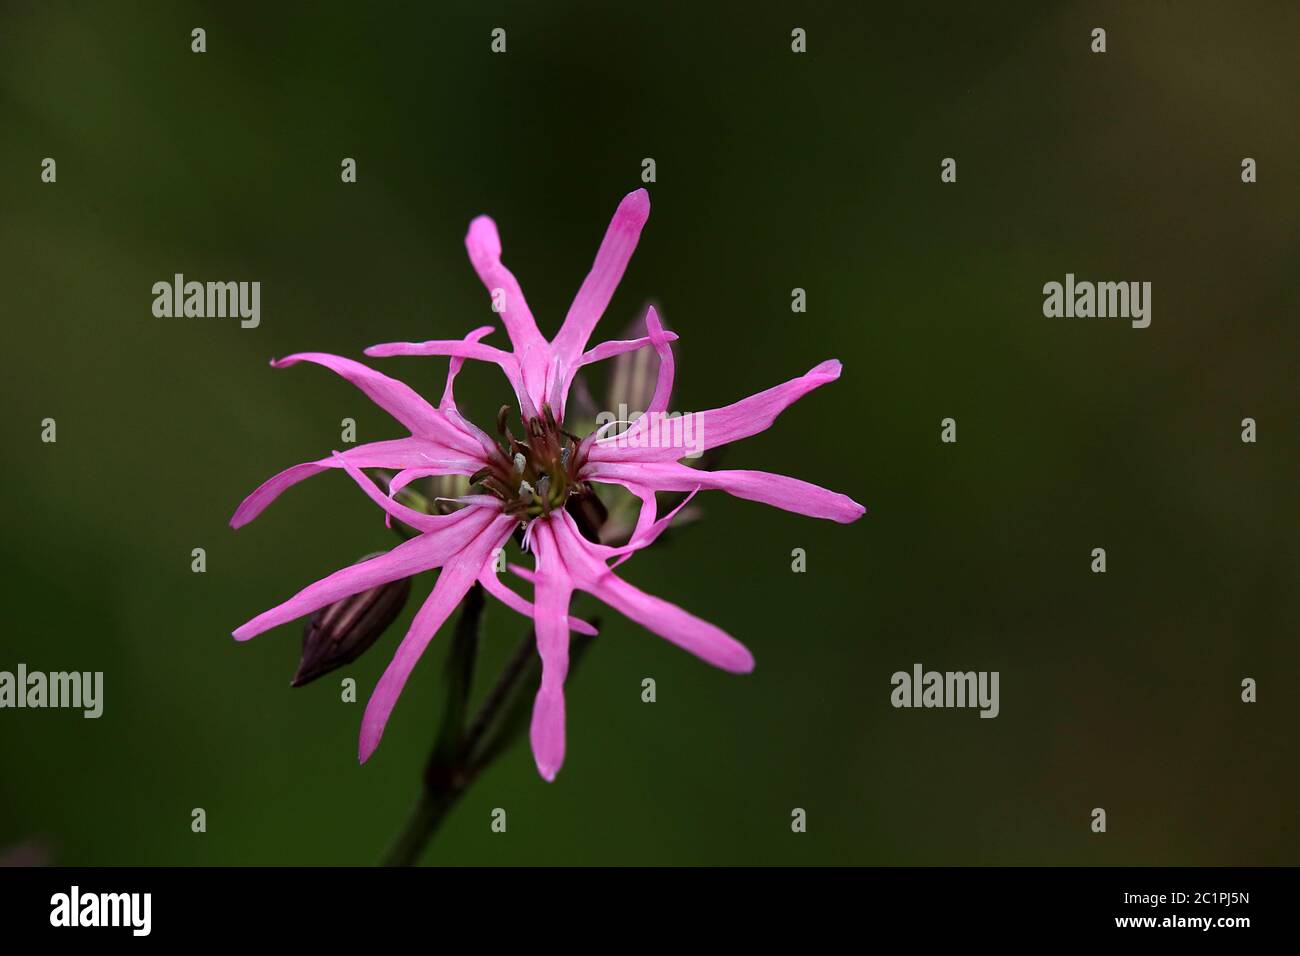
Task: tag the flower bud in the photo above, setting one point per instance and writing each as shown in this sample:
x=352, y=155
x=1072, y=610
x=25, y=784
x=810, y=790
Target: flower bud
x=442, y=488
x=341, y=632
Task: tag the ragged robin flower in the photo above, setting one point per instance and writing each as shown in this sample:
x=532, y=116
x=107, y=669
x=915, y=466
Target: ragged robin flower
x=534, y=482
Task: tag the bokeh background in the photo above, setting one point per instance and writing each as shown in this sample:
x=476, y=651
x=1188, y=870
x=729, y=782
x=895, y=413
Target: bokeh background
x=774, y=171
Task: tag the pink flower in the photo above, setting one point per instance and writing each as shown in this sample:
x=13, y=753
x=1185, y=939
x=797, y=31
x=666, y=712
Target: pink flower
x=529, y=483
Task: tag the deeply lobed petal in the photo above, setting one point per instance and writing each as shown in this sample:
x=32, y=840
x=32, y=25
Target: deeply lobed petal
x=493, y=585
x=780, y=491
x=607, y=270
x=718, y=426
x=397, y=398
x=422, y=553
x=614, y=347
x=398, y=453
x=553, y=590
x=461, y=349
x=448, y=401
x=589, y=573
x=483, y=243
x=418, y=520
x=532, y=352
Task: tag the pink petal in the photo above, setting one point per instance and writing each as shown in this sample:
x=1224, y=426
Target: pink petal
x=479, y=501
x=455, y=580
x=553, y=591
x=483, y=244
x=276, y=485
x=788, y=494
x=397, y=453
x=493, y=585
x=408, y=475
x=645, y=519
x=457, y=348
x=523, y=572
x=721, y=426
x=598, y=288
x=706, y=641
x=454, y=367
x=647, y=529
x=607, y=350
x=531, y=351
x=448, y=403
x=397, y=398
x=408, y=558
x=395, y=509
x=510, y=364
x=486, y=445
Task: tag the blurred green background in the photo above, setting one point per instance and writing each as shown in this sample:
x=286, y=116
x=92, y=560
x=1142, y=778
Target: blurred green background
x=774, y=171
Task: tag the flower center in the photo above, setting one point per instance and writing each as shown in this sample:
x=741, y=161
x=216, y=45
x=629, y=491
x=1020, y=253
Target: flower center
x=534, y=475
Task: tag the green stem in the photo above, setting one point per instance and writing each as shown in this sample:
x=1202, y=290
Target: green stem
x=419, y=829
x=452, y=767
x=462, y=751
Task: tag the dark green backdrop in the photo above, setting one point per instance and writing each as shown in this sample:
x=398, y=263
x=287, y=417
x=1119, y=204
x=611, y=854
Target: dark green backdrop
x=774, y=171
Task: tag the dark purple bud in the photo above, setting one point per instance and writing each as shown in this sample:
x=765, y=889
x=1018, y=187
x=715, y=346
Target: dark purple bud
x=341, y=632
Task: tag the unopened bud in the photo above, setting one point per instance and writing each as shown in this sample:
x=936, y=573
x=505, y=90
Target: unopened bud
x=442, y=488
x=341, y=632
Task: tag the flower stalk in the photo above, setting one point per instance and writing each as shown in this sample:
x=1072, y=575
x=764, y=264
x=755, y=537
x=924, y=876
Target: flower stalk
x=461, y=750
